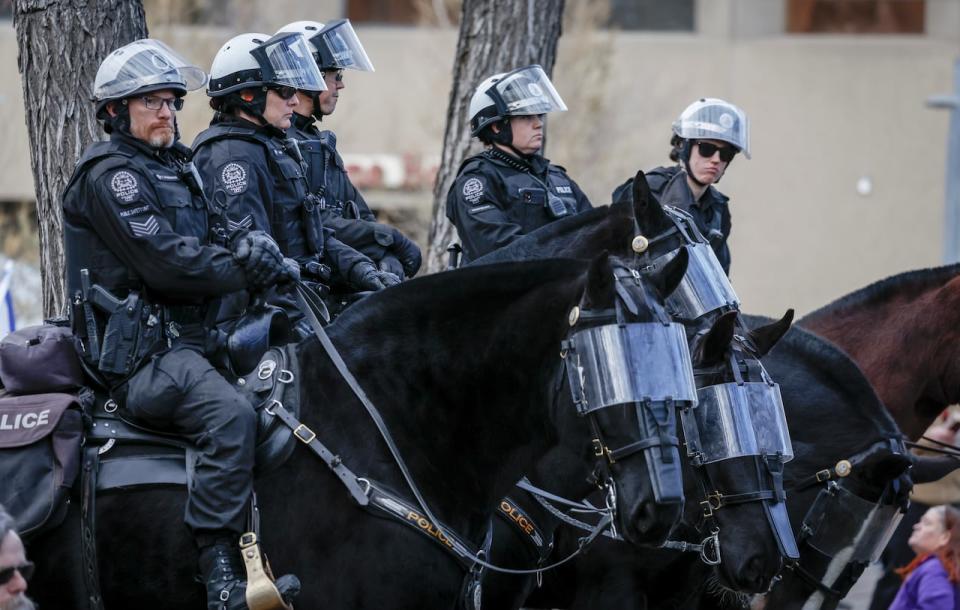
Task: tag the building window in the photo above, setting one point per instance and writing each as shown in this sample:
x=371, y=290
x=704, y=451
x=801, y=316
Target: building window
x=404, y=12
x=855, y=16
x=653, y=15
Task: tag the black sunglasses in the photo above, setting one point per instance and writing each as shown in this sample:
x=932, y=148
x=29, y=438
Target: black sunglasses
x=283, y=91
x=337, y=77
x=6, y=574
x=707, y=150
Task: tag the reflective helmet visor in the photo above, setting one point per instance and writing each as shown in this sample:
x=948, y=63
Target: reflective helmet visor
x=526, y=91
x=338, y=47
x=285, y=60
x=146, y=64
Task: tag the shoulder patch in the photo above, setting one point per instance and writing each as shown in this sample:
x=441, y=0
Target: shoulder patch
x=233, y=177
x=125, y=186
x=473, y=190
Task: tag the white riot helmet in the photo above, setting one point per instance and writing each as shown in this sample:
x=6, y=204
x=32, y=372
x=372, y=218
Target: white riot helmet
x=335, y=46
x=714, y=119
x=525, y=91
x=256, y=60
x=140, y=67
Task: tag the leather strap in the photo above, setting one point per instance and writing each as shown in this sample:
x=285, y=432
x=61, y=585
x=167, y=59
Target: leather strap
x=88, y=527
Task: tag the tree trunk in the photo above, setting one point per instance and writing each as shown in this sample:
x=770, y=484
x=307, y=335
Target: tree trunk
x=495, y=36
x=61, y=45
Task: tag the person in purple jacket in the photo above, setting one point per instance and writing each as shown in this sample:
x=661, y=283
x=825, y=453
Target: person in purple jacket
x=930, y=580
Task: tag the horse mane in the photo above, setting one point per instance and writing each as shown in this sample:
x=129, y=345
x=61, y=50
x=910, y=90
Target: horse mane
x=916, y=282
x=458, y=291
x=840, y=367
x=529, y=245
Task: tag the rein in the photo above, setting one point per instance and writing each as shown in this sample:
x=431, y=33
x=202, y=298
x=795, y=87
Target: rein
x=305, y=305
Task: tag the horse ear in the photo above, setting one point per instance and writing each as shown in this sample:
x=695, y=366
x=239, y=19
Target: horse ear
x=668, y=278
x=765, y=337
x=641, y=192
x=717, y=341
x=599, y=290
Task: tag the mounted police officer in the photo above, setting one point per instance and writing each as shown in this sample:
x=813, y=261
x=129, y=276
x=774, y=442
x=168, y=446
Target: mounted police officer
x=255, y=174
x=141, y=272
x=509, y=189
x=336, y=48
x=706, y=137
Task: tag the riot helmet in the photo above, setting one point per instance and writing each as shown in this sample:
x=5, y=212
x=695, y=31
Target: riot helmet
x=524, y=91
x=335, y=46
x=714, y=119
x=140, y=67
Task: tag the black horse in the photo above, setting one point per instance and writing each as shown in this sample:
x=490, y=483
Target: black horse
x=648, y=235
x=464, y=368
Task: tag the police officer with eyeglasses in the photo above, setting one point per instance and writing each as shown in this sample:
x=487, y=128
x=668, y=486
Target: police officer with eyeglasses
x=707, y=135
x=144, y=271
x=15, y=570
x=336, y=47
x=510, y=189
x=256, y=175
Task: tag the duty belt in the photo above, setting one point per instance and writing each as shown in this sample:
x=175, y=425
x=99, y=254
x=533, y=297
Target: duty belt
x=185, y=314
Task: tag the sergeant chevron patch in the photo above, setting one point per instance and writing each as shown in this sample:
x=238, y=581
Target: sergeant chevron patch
x=150, y=226
x=244, y=223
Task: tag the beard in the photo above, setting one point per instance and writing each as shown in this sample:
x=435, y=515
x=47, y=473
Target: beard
x=160, y=139
x=18, y=602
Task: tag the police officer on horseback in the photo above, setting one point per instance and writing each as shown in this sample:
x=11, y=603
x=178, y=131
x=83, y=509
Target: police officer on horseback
x=143, y=271
x=255, y=174
x=707, y=135
x=336, y=48
x=510, y=189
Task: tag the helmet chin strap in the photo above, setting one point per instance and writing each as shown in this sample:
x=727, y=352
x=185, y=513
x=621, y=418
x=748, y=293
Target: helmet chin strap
x=317, y=111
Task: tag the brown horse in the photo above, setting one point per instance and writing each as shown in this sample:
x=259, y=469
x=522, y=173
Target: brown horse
x=904, y=332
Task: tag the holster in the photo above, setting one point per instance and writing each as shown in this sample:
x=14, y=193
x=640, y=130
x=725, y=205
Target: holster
x=133, y=331
x=313, y=227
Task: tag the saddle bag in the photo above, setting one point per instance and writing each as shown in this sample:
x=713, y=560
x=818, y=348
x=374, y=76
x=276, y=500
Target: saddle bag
x=40, y=438
x=40, y=359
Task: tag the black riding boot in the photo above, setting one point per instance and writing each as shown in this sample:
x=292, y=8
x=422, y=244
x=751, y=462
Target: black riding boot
x=225, y=577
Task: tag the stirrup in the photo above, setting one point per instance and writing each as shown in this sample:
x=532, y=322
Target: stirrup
x=262, y=593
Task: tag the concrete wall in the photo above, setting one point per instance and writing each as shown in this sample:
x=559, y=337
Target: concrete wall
x=826, y=112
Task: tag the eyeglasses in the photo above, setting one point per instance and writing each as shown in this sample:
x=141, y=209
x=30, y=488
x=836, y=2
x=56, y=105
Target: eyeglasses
x=284, y=91
x=707, y=150
x=153, y=102
x=6, y=574
x=336, y=75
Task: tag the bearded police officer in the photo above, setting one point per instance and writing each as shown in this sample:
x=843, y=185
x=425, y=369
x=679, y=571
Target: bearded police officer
x=142, y=270
x=255, y=174
x=336, y=48
x=509, y=189
x=706, y=137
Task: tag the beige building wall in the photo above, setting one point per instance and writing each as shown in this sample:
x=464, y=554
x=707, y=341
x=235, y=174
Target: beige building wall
x=828, y=113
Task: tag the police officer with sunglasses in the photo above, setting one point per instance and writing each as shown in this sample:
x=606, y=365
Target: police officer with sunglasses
x=255, y=176
x=706, y=137
x=15, y=570
x=336, y=47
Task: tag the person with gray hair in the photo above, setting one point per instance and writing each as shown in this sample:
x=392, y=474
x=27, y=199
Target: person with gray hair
x=15, y=570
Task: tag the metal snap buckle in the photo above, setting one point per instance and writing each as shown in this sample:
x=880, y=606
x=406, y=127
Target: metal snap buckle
x=823, y=475
x=110, y=406
x=273, y=404
x=285, y=376
x=266, y=369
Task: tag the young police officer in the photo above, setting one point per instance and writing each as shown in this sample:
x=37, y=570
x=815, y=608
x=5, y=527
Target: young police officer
x=509, y=189
x=706, y=137
x=254, y=173
x=141, y=271
x=336, y=48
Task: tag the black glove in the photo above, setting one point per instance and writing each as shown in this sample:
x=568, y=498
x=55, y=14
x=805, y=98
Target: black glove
x=261, y=258
x=391, y=264
x=408, y=253
x=291, y=271
x=366, y=276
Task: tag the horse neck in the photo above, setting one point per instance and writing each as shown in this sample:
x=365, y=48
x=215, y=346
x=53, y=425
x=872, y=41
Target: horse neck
x=906, y=345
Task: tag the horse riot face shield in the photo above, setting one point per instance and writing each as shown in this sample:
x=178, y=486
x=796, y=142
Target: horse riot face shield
x=745, y=419
x=842, y=524
x=644, y=364
x=704, y=287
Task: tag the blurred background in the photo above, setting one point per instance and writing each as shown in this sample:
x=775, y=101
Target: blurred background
x=848, y=178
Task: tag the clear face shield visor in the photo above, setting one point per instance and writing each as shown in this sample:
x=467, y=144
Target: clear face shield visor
x=525, y=91
x=613, y=364
x=736, y=420
x=145, y=63
x=715, y=120
x=339, y=47
x=843, y=523
x=286, y=60
x=704, y=287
